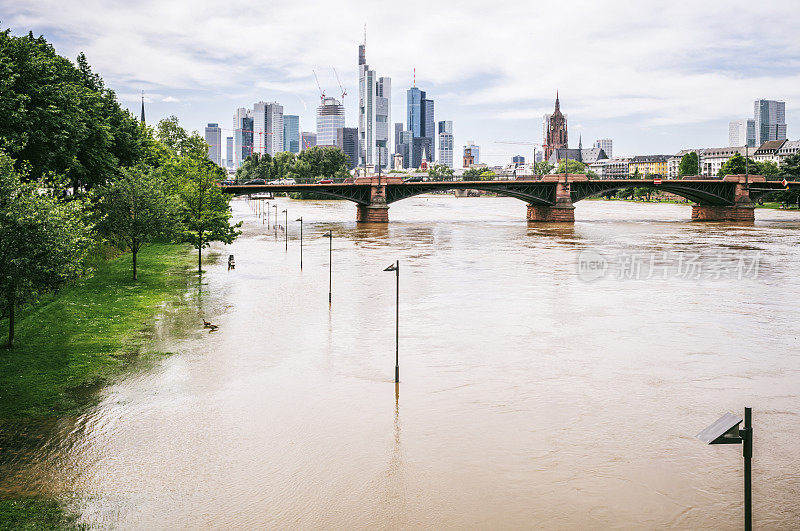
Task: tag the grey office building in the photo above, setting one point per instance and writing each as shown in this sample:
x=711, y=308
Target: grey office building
x=213, y=138
x=229, y=152
x=242, y=135
x=446, y=143
x=770, y=120
x=347, y=141
x=420, y=148
x=420, y=120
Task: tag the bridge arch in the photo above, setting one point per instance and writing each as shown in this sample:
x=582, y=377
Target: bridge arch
x=709, y=193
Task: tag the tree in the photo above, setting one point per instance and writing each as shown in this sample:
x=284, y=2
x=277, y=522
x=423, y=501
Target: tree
x=282, y=164
x=542, y=167
x=791, y=165
x=59, y=122
x=688, y=165
x=574, y=166
x=43, y=241
x=440, y=172
x=136, y=210
x=255, y=166
x=204, y=209
x=472, y=174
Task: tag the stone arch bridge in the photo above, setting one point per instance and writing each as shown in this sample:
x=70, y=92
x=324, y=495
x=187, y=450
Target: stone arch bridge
x=550, y=199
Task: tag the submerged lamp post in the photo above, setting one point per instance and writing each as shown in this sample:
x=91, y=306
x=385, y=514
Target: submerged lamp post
x=275, y=225
x=396, y=268
x=726, y=431
x=329, y=234
x=285, y=228
x=300, y=219
x=267, y=215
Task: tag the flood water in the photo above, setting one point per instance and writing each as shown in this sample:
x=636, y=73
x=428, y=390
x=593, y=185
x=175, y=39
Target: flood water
x=532, y=394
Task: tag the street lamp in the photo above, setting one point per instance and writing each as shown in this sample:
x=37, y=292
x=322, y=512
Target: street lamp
x=300, y=219
x=285, y=228
x=267, y=215
x=396, y=268
x=275, y=224
x=726, y=431
x=329, y=234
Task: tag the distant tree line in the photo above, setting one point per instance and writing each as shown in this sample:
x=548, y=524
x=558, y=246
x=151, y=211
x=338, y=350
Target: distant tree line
x=79, y=174
x=311, y=164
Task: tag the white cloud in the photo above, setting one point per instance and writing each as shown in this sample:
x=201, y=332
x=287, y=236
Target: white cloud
x=492, y=68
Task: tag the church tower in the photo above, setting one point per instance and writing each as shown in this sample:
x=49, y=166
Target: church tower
x=555, y=131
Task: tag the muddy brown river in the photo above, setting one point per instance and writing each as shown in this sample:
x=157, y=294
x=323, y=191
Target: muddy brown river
x=551, y=377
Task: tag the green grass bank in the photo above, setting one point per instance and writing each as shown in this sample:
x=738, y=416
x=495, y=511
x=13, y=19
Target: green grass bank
x=72, y=342
x=77, y=338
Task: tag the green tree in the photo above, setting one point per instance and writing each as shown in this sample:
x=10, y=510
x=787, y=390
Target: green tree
x=43, y=241
x=204, y=209
x=688, y=164
x=282, y=164
x=542, y=168
x=472, y=174
x=767, y=168
x=59, y=122
x=255, y=166
x=135, y=209
x=573, y=167
x=440, y=172
x=791, y=165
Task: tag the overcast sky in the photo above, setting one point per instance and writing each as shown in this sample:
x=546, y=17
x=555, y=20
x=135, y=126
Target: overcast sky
x=655, y=77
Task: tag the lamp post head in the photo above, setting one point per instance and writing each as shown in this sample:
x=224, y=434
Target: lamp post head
x=392, y=267
x=725, y=430
x=299, y=219
x=329, y=233
x=283, y=211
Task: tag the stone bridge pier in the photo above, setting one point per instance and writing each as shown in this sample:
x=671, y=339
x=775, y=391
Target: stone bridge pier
x=377, y=211
x=742, y=209
x=563, y=211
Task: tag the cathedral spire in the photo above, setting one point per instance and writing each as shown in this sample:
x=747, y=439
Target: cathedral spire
x=142, y=117
x=580, y=141
x=557, y=105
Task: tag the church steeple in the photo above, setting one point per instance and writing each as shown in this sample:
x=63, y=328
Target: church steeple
x=557, y=105
x=142, y=117
x=580, y=141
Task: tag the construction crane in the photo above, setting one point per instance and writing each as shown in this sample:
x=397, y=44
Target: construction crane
x=321, y=92
x=344, y=90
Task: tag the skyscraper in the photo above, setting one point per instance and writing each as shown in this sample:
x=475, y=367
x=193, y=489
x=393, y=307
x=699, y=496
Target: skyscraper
x=374, y=112
x=268, y=127
x=430, y=127
x=555, y=131
x=330, y=118
x=213, y=136
x=291, y=133
x=420, y=119
x=606, y=144
x=446, y=143
x=404, y=146
x=741, y=133
x=242, y=135
x=347, y=140
x=229, y=152
x=770, y=120
x=398, y=131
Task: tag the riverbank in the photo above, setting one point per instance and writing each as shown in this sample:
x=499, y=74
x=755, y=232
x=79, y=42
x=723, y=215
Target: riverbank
x=75, y=339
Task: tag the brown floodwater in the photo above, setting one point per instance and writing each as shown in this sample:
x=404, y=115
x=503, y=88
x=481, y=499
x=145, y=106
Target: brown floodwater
x=534, y=393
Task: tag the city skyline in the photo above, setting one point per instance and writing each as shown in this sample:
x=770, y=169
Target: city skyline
x=200, y=70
